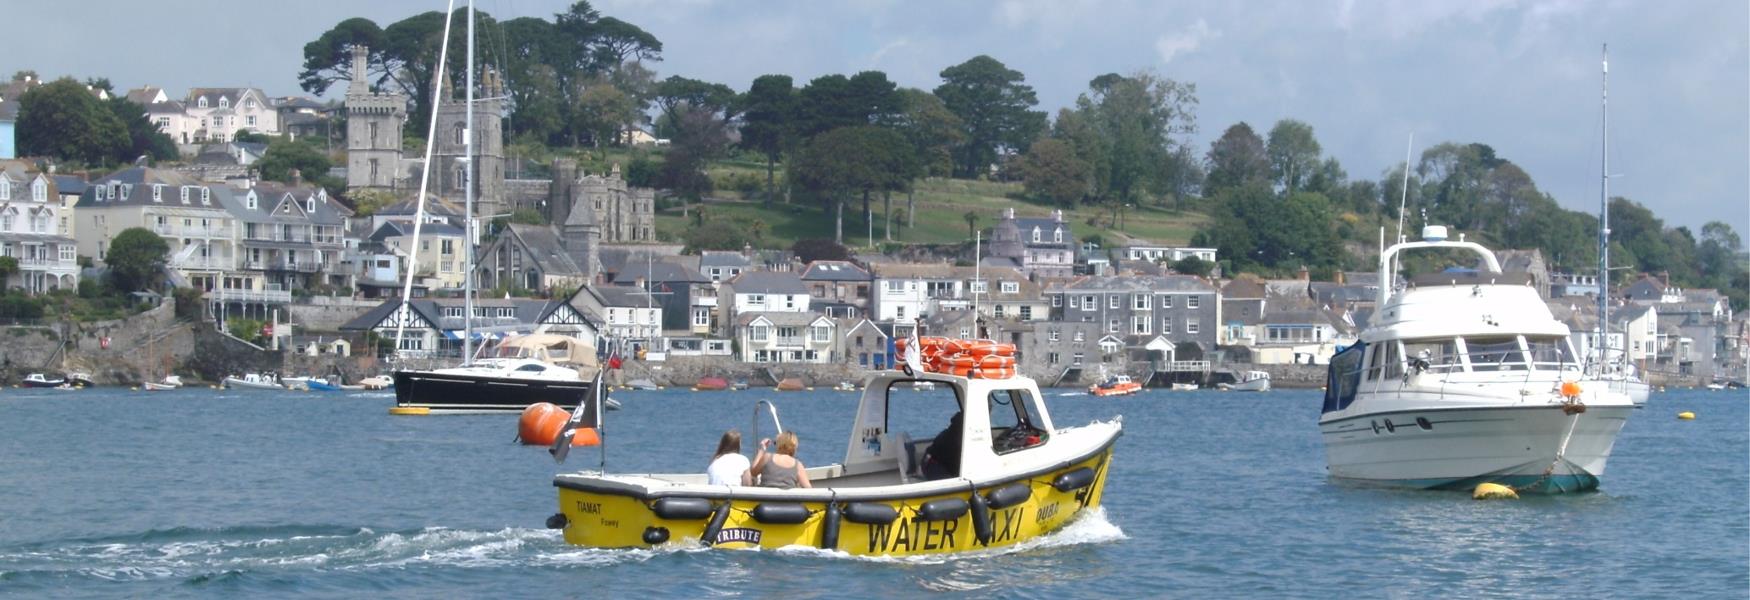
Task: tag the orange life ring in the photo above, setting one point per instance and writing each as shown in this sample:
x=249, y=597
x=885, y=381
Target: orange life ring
x=989, y=348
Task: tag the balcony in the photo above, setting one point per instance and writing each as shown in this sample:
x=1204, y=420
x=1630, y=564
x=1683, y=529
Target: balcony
x=281, y=265
x=44, y=263
x=190, y=232
x=710, y=301
x=224, y=295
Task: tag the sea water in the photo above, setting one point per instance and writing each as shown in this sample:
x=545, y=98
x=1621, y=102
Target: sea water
x=204, y=493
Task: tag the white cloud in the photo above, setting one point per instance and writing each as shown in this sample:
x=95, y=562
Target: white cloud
x=1187, y=40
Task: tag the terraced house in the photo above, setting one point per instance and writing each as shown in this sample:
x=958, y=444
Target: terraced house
x=188, y=214
x=292, y=235
x=31, y=234
x=1136, y=310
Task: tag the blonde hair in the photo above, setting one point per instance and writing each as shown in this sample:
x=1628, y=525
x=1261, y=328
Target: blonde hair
x=787, y=443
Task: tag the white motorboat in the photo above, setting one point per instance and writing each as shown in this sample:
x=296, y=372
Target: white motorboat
x=170, y=382
x=642, y=384
x=38, y=380
x=253, y=381
x=1465, y=378
x=377, y=382
x=1183, y=387
x=1252, y=381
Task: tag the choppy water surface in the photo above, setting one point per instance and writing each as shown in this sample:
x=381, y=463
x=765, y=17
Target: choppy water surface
x=208, y=493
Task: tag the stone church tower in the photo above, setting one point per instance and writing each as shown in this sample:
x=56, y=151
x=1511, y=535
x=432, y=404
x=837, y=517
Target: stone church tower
x=452, y=131
x=373, y=131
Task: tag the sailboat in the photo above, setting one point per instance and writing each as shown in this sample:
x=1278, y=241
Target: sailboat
x=1608, y=369
x=529, y=369
x=170, y=382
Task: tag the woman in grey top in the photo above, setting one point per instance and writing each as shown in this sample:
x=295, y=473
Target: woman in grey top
x=782, y=470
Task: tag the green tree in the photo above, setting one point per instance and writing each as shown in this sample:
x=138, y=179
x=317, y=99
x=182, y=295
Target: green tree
x=144, y=138
x=1136, y=122
x=1236, y=159
x=971, y=218
x=285, y=156
x=849, y=160
x=366, y=202
x=716, y=235
x=1294, y=154
x=813, y=249
x=835, y=101
x=1192, y=265
x=8, y=268
x=933, y=132
x=1051, y=170
x=602, y=110
x=136, y=257
x=996, y=107
x=768, y=112
x=63, y=120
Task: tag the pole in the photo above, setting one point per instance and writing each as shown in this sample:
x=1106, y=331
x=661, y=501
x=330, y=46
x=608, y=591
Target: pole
x=424, y=178
x=1604, y=217
x=468, y=202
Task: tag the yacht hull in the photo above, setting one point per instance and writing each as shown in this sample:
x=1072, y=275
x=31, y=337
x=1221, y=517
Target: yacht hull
x=1460, y=447
x=455, y=393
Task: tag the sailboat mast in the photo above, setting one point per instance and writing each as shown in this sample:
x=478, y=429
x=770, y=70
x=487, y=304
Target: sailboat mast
x=412, y=253
x=468, y=203
x=1604, y=218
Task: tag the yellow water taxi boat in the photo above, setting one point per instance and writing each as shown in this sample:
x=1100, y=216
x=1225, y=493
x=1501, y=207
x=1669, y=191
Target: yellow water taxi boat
x=1019, y=477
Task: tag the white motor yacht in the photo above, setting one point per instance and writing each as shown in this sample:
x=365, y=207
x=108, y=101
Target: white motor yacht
x=1462, y=378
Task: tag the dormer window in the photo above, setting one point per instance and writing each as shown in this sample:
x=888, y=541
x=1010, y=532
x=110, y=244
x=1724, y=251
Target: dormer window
x=1057, y=236
x=1035, y=235
x=157, y=192
x=310, y=205
x=250, y=103
x=202, y=102
x=127, y=190
x=206, y=196
x=224, y=102
x=100, y=192
x=5, y=189
x=184, y=193
x=248, y=201
x=39, y=191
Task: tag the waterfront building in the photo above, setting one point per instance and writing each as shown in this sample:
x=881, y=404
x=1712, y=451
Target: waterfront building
x=794, y=336
x=1157, y=253
x=627, y=314
x=864, y=341
x=188, y=214
x=1182, y=308
x=839, y=289
x=721, y=265
x=438, y=262
x=528, y=257
x=433, y=326
x=292, y=234
x=31, y=231
x=764, y=292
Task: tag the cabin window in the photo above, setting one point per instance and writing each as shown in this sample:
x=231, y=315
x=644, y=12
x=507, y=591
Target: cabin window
x=532, y=368
x=1551, y=353
x=1495, y=354
x=1013, y=425
x=1433, y=355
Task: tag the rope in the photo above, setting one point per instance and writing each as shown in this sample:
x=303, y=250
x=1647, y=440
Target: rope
x=1573, y=408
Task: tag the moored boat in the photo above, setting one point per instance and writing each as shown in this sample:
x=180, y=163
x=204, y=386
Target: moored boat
x=1464, y=378
x=1251, y=381
x=1017, y=477
x=80, y=379
x=377, y=382
x=712, y=384
x=845, y=386
x=253, y=381
x=525, y=370
x=641, y=384
x=1183, y=387
x=38, y=380
x=790, y=384
x=1116, y=385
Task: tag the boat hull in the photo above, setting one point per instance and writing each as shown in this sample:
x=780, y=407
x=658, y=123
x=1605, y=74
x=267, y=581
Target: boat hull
x=1255, y=385
x=244, y=384
x=599, y=515
x=1458, y=448
x=444, y=393
x=53, y=383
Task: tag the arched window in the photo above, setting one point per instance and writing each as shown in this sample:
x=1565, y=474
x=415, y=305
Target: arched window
x=461, y=133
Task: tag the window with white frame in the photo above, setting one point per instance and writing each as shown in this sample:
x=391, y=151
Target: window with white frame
x=1011, y=287
x=1112, y=326
x=1139, y=301
x=1191, y=301
x=759, y=333
x=1088, y=303
x=701, y=317
x=250, y=120
x=1057, y=235
x=899, y=312
x=1191, y=325
x=997, y=311
x=206, y=195
x=894, y=286
x=1035, y=235
x=1080, y=336
x=978, y=287
x=1057, y=300
x=68, y=252
x=5, y=189
x=249, y=201
x=158, y=192
x=1051, y=335
x=1167, y=325
x=455, y=312
x=224, y=102
x=820, y=334
x=39, y=191
x=182, y=192
x=1139, y=324
x=965, y=332
x=1026, y=312
x=756, y=299
x=1167, y=301
x=1112, y=301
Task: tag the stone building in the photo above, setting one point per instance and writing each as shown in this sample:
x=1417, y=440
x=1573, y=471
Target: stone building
x=373, y=132
x=448, y=156
x=1038, y=247
x=618, y=212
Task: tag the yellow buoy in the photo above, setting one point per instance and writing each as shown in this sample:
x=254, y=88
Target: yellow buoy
x=1686, y=416
x=1494, y=491
x=409, y=410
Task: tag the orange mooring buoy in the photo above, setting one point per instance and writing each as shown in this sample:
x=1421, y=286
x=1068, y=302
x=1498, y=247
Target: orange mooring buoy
x=541, y=423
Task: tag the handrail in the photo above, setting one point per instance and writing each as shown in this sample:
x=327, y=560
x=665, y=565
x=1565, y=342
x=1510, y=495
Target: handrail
x=773, y=410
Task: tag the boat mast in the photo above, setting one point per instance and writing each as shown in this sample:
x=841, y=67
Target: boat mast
x=1604, y=218
x=424, y=179
x=468, y=203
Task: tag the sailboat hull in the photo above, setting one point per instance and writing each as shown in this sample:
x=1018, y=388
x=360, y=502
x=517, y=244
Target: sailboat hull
x=448, y=393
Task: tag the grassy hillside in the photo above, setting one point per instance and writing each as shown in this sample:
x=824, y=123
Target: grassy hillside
x=941, y=206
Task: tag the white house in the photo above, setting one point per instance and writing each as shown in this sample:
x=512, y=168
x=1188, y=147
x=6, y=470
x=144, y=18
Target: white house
x=30, y=231
x=766, y=291
x=220, y=112
x=906, y=292
x=768, y=337
x=1169, y=253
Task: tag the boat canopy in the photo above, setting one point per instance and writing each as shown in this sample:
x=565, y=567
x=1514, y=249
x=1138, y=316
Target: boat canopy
x=998, y=416
x=547, y=347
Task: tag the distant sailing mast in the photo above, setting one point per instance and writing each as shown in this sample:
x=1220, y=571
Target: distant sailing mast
x=1604, y=223
x=424, y=181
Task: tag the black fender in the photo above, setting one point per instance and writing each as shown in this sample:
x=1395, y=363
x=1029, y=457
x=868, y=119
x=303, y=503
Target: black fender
x=780, y=513
x=870, y=513
x=1008, y=495
x=718, y=517
x=981, y=528
x=829, y=527
x=689, y=509
x=655, y=535
x=1074, y=480
x=943, y=509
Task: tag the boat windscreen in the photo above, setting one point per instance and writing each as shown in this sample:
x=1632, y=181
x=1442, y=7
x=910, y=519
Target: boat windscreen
x=1494, y=354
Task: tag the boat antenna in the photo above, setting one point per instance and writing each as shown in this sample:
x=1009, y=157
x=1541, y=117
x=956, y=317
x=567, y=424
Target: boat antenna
x=424, y=177
x=468, y=201
x=1604, y=215
x=977, y=275
x=1404, y=194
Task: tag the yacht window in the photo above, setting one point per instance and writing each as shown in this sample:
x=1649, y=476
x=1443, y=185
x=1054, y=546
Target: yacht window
x=532, y=368
x=1439, y=355
x=1550, y=353
x=1390, y=363
x=1495, y=354
x=1012, y=425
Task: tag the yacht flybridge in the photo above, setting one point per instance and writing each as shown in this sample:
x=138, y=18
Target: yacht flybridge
x=1463, y=378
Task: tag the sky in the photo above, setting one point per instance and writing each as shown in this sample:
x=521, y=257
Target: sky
x=1522, y=77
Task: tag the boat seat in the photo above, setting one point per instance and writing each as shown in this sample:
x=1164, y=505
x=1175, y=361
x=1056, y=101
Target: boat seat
x=910, y=457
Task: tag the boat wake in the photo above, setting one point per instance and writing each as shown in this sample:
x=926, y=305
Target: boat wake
x=200, y=554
